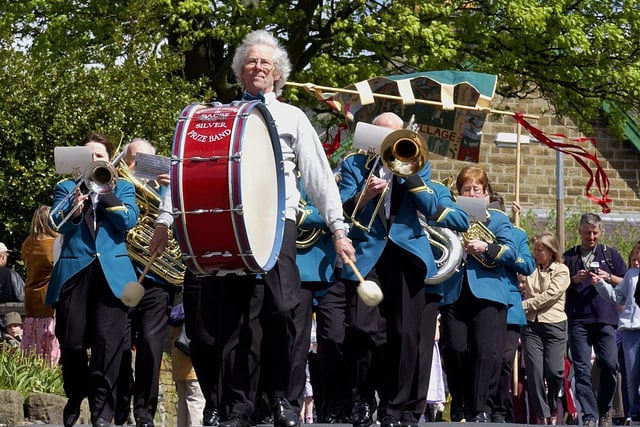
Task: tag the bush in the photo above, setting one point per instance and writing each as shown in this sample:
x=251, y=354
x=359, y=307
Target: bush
x=28, y=373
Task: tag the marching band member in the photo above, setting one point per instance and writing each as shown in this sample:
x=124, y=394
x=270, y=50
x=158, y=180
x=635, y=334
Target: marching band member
x=498, y=406
x=147, y=327
x=229, y=325
x=451, y=216
x=89, y=279
x=316, y=260
x=474, y=305
x=396, y=254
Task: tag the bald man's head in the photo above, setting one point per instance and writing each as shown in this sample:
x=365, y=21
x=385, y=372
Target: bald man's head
x=389, y=120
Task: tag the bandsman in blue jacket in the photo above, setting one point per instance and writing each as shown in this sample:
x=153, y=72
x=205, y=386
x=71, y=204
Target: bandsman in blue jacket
x=498, y=405
x=448, y=216
x=89, y=285
x=396, y=254
x=316, y=260
x=475, y=302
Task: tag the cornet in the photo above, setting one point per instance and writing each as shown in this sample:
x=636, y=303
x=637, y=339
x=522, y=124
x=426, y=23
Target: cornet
x=100, y=177
x=404, y=152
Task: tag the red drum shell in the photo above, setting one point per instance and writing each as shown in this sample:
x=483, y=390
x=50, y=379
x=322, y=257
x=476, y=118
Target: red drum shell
x=227, y=188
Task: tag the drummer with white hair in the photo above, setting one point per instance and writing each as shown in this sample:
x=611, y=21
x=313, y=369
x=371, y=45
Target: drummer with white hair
x=222, y=313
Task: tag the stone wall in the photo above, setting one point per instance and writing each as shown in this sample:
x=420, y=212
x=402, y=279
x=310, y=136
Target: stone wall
x=620, y=160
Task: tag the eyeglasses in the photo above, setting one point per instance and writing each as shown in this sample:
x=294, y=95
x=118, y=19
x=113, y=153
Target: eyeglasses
x=266, y=64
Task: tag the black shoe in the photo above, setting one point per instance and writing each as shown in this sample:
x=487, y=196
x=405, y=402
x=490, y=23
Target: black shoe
x=283, y=413
x=210, y=417
x=101, y=422
x=333, y=413
x=361, y=415
x=390, y=421
x=144, y=422
x=498, y=419
x=457, y=413
x=480, y=417
x=236, y=420
x=121, y=417
x=71, y=412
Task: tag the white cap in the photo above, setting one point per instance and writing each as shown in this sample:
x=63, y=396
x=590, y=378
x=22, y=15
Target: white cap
x=3, y=248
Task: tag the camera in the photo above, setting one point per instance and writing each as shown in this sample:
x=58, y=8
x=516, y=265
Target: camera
x=594, y=267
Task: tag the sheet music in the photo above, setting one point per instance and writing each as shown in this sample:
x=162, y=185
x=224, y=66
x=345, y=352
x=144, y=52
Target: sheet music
x=474, y=207
x=149, y=166
x=73, y=160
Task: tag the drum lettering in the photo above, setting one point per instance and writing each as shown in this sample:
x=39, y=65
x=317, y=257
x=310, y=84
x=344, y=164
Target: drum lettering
x=211, y=125
x=196, y=136
x=219, y=136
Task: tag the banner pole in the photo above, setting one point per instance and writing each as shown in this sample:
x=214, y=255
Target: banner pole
x=317, y=90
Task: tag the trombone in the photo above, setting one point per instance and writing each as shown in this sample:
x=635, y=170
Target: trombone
x=404, y=152
x=100, y=177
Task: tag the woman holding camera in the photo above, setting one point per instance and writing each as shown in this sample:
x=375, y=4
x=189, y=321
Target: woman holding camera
x=544, y=338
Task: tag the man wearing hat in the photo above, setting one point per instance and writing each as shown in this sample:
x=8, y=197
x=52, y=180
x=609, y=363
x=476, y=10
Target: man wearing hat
x=11, y=284
x=13, y=329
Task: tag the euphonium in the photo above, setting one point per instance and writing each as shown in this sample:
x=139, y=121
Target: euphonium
x=168, y=265
x=306, y=237
x=479, y=231
x=447, y=243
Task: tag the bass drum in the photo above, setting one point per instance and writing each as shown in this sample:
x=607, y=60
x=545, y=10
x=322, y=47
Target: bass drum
x=227, y=188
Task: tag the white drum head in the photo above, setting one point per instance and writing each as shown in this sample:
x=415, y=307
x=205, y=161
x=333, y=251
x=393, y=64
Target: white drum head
x=259, y=188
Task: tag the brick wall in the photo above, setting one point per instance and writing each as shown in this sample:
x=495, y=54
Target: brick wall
x=619, y=159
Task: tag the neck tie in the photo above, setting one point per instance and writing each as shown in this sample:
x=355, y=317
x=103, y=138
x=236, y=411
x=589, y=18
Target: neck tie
x=246, y=96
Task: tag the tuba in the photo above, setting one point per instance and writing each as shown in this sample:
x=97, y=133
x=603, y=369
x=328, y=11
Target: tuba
x=168, y=265
x=479, y=231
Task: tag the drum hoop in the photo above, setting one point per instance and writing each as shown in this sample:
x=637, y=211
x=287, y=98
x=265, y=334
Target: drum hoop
x=177, y=196
x=241, y=238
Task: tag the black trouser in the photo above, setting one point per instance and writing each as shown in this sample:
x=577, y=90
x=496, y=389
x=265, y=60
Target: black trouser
x=330, y=331
x=401, y=277
x=222, y=323
x=429, y=322
x=468, y=345
x=225, y=318
x=89, y=316
x=499, y=400
x=147, y=329
x=286, y=322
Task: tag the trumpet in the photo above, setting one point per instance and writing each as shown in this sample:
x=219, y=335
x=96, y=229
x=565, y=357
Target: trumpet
x=404, y=152
x=100, y=177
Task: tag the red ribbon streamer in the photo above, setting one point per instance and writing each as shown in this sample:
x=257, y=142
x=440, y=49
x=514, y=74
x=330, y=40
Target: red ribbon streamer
x=579, y=154
x=331, y=148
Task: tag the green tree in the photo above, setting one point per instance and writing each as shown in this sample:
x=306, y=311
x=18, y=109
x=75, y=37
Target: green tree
x=127, y=68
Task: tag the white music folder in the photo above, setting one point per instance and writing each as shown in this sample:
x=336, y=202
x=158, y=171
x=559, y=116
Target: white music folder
x=475, y=207
x=72, y=160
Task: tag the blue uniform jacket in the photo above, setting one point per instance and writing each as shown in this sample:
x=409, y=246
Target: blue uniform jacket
x=449, y=215
x=525, y=264
x=487, y=283
x=80, y=248
x=316, y=263
x=405, y=230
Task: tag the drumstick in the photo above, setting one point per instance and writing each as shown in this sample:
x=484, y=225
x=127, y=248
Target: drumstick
x=133, y=292
x=147, y=267
x=355, y=270
x=367, y=290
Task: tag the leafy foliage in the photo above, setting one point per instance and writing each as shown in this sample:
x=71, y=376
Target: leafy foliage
x=28, y=373
x=127, y=68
